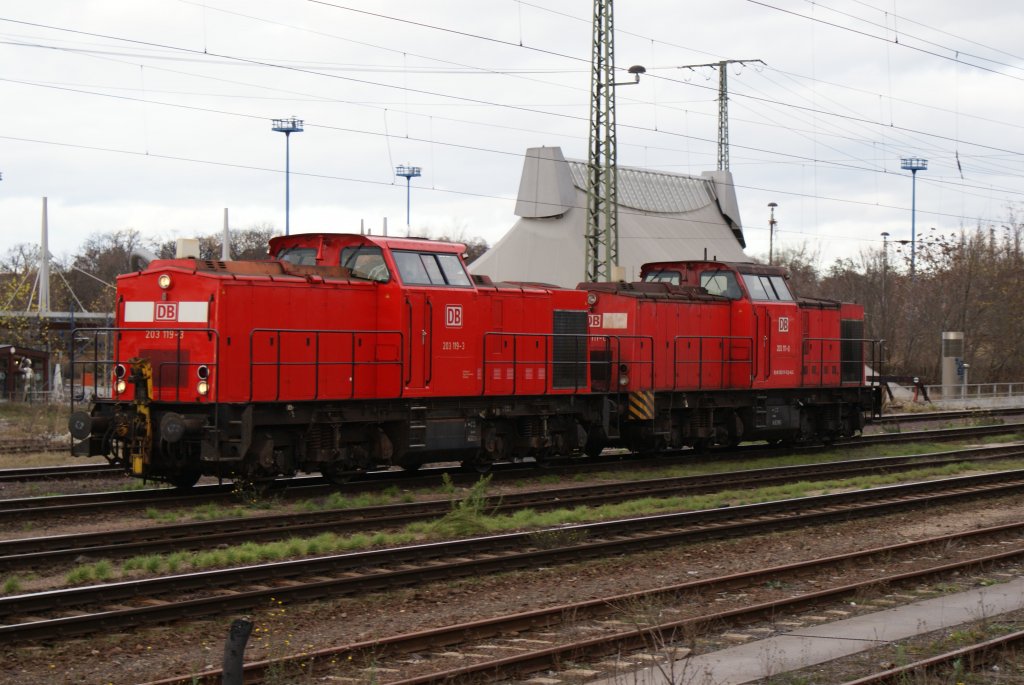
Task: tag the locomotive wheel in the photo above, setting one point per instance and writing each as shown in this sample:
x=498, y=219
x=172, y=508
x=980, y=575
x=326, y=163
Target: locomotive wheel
x=186, y=480
x=256, y=489
x=544, y=460
x=477, y=465
x=336, y=475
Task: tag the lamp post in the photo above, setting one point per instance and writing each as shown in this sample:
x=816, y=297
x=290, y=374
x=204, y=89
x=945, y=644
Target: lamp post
x=913, y=165
x=409, y=172
x=771, y=231
x=287, y=127
x=885, y=271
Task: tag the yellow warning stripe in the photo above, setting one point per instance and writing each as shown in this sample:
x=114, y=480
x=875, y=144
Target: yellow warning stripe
x=641, y=405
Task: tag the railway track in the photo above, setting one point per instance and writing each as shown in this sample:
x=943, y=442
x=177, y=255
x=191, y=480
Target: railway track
x=78, y=611
x=27, y=553
x=18, y=509
x=47, y=473
x=554, y=633
x=80, y=471
x=952, y=414
x=26, y=445
x=973, y=656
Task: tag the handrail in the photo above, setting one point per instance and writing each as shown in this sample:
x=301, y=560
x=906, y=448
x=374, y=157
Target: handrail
x=160, y=369
x=317, y=363
x=428, y=371
x=408, y=379
x=875, y=357
x=723, y=362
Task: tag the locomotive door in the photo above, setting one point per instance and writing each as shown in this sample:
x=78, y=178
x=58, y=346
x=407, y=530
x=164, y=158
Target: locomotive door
x=418, y=334
x=778, y=341
x=762, y=343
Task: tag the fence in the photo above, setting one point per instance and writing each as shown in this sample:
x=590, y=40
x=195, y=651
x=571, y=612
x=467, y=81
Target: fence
x=977, y=395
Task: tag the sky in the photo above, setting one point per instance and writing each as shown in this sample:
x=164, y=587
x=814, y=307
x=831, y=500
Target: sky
x=157, y=114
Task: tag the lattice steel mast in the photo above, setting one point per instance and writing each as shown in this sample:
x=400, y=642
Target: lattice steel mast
x=602, y=241
x=723, y=104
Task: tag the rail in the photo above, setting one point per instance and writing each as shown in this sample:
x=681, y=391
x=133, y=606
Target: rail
x=977, y=394
x=846, y=353
x=170, y=366
x=377, y=343
x=722, y=362
x=566, y=359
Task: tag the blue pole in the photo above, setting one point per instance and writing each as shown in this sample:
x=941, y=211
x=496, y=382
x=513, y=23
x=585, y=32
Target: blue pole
x=913, y=220
x=288, y=187
x=408, y=214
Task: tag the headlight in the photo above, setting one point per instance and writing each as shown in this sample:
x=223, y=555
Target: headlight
x=164, y=281
x=202, y=387
x=203, y=372
x=591, y=298
x=623, y=380
x=120, y=371
x=121, y=386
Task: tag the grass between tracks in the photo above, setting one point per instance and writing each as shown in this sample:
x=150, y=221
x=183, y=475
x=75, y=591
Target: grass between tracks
x=470, y=514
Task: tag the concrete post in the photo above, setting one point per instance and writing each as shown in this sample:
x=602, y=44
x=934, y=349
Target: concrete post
x=234, y=650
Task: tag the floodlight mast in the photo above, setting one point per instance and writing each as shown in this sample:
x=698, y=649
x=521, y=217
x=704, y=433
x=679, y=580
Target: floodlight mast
x=287, y=127
x=913, y=165
x=409, y=173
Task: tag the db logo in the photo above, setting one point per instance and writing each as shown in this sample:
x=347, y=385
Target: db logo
x=594, y=320
x=783, y=324
x=166, y=311
x=453, y=315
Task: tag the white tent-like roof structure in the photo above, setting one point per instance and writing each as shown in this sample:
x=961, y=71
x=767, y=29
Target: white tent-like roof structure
x=662, y=216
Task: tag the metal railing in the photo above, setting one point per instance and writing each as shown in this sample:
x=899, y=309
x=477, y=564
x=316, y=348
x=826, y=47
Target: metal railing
x=93, y=377
x=722, y=364
x=582, y=368
x=319, y=341
x=977, y=394
x=850, y=368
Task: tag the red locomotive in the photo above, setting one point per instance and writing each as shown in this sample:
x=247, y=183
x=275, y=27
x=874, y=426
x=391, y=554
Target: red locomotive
x=344, y=353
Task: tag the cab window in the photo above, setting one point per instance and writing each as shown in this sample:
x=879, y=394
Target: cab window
x=430, y=268
x=721, y=283
x=366, y=262
x=771, y=288
x=781, y=289
x=756, y=288
x=300, y=256
x=664, y=276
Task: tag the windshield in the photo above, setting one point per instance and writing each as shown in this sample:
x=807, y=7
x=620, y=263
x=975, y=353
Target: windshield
x=767, y=288
x=366, y=262
x=301, y=256
x=431, y=268
x=721, y=283
x=672, y=277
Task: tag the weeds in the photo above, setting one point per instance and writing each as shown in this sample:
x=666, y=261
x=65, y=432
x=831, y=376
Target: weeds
x=469, y=513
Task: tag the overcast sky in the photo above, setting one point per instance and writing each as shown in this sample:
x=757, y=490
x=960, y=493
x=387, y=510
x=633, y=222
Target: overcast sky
x=156, y=114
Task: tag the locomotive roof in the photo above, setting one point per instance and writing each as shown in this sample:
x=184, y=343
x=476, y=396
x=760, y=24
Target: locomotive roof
x=318, y=239
x=742, y=267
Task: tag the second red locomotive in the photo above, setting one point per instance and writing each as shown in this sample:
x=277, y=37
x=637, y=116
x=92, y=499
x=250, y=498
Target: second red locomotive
x=344, y=353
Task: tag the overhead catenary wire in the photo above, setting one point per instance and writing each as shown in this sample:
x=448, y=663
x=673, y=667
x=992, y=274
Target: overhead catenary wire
x=811, y=160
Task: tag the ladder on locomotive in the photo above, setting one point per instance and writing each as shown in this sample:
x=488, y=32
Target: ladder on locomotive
x=417, y=426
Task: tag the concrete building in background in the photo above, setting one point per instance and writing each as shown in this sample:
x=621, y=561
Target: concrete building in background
x=662, y=216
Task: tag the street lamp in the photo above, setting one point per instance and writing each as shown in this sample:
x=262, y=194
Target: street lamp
x=885, y=270
x=771, y=230
x=913, y=165
x=409, y=172
x=287, y=127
